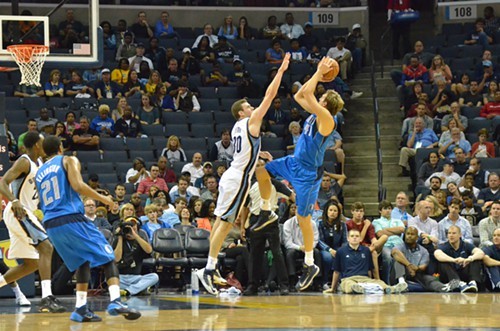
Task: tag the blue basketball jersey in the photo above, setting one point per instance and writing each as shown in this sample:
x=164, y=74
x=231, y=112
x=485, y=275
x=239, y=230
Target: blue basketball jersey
x=57, y=197
x=311, y=146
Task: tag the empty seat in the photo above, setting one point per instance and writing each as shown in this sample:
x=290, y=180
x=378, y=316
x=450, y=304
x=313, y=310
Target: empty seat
x=110, y=102
x=228, y=93
x=200, y=117
x=272, y=144
x=452, y=28
x=457, y=39
x=169, y=117
x=472, y=51
x=107, y=178
x=199, y=143
x=100, y=167
x=169, y=242
x=200, y=130
x=477, y=124
x=197, y=245
x=154, y=130
x=147, y=155
x=115, y=156
x=180, y=130
x=259, y=44
x=34, y=103
x=208, y=104
x=208, y=92
x=89, y=156
x=470, y=112
x=159, y=143
x=112, y=144
x=13, y=103
x=137, y=144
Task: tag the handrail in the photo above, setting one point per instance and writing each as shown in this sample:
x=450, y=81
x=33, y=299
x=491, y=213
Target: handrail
x=384, y=46
x=380, y=174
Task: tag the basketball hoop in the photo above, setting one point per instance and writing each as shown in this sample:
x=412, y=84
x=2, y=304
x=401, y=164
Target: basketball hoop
x=30, y=59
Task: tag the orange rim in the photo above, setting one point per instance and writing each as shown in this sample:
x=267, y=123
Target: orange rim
x=24, y=53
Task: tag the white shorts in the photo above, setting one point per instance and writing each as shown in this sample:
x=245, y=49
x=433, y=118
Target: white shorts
x=23, y=237
x=233, y=190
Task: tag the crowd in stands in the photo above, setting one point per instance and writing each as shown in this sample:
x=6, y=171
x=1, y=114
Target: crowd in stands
x=151, y=130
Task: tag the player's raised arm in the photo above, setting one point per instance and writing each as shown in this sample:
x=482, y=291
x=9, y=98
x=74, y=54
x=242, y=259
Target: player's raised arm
x=72, y=166
x=306, y=98
x=259, y=112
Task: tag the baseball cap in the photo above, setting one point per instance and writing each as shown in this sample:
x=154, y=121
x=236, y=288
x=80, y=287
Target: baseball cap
x=238, y=60
x=207, y=164
x=140, y=45
x=186, y=50
x=308, y=24
x=133, y=219
x=222, y=38
x=356, y=26
x=487, y=63
x=104, y=71
x=448, y=162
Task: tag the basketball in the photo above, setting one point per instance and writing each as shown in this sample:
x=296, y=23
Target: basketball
x=330, y=75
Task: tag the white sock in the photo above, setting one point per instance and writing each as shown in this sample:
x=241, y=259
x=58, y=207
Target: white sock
x=265, y=204
x=211, y=263
x=46, y=288
x=17, y=291
x=309, y=258
x=401, y=280
x=114, y=292
x=2, y=281
x=81, y=298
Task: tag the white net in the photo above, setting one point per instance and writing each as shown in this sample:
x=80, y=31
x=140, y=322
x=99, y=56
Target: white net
x=30, y=59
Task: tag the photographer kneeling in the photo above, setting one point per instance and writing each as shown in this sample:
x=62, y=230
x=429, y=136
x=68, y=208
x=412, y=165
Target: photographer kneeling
x=131, y=248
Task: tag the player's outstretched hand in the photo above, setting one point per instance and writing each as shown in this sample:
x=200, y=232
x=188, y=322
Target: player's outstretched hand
x=285, y=63
x=325, y=65
x=265, y=155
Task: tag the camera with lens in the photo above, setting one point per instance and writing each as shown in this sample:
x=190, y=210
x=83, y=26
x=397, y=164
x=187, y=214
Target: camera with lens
x=125, y=228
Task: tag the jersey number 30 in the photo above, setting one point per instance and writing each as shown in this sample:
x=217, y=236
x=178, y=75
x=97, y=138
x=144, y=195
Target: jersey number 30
x=237, y=143
x=50, y=191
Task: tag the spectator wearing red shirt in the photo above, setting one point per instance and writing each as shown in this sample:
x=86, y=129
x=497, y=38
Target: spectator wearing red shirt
x=491, y=109
x=483, y=148
x=153, y=179
x=167, y=174
x=399, y=30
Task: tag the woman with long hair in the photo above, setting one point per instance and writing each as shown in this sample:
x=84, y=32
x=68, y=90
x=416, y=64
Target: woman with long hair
x=63, y=136
x=462, y=86
x=134, y=87
x=127, y=210
x=290, y=212
x=489, y=96
x=153, y=81
x=163, y=100
x=427, y=168
x=195, y=204
x=207, y=218
x=332, y=235
x=173, y=151
x=147, y=113
x=244, y=30
x=71, y=124
x=185, y=217
x=118, y=112
x=227, y=29
x=453, y=192
x=77, y=87
x=440, y=70
x=151, y=192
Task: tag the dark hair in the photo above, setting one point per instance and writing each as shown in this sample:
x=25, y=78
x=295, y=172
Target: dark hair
x=415, y=56
x=358, y=205
x=337, y=226
x=120, y=184
x=51, y=145
x=30, y=120
x=384, y=204
x=205, y=207
x=167, y=196
x=31, y=138
x=438, y=178
x=455, y=201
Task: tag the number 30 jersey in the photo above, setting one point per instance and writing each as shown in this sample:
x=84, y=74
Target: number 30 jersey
x=246, y=147
x=24, y=188
x=57, y=197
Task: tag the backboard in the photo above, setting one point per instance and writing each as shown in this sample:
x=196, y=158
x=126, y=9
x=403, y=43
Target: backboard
x=71, y=32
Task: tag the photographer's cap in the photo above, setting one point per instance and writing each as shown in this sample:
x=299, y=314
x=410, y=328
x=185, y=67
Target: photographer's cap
x=134, y=219
x=186, y=50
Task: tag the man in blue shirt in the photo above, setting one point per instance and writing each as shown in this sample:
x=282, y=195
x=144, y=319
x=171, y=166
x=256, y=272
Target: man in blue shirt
x=459, y=260
x=392, y=228
x=420, y=138
x=492, y=261
x=353, y=265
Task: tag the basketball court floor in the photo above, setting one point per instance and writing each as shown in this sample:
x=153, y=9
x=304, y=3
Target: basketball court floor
x=303, y=311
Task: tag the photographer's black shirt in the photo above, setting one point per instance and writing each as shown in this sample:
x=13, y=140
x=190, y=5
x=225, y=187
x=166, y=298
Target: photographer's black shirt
x=132, y=257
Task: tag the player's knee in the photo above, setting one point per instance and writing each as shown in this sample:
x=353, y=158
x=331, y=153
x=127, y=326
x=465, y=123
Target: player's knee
x=111, y=270
x=45, y=248
x=31, y=264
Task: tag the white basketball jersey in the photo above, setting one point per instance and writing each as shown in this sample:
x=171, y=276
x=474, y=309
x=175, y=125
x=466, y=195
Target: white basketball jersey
x=24, y=187
x=246, y=147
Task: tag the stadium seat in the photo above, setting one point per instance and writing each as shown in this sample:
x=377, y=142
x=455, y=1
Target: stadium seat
x=147, y=155
x=138, y=144
x=89, y=156
x=169, y=43
x=228, y=93
x=452, y=29
x=199, y=143
x=154, y=130
x=490, y=163
x=200, y=117
x=110, y=102
x=169, y=117
x=200, y=130
x=16, y=117
x=159, y=143
x=224, y=118
x=100, y=167
x=115, y=156
x=197, y=246
x=13, y=103
x=456, y=39
x=169, y=242
x=470, y=112
x=195, y=80
x=272, y=144
x=112, y=144
x=179, y=130
x=477, y=124
x=258, y=44
x=34, y=103
x=222, y=126
x=208, y=104
x=107, y=178
x=472, y=51
x=208, y=93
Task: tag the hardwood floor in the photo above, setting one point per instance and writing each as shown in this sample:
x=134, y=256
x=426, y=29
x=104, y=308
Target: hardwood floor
x=311, y=312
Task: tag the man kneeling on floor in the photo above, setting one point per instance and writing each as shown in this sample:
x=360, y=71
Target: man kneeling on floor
x=412, y=261
x=131, y=248
x=354, y=267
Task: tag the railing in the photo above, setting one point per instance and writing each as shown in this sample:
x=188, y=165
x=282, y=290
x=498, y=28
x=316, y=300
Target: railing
x=385, y=45
x=381, y=189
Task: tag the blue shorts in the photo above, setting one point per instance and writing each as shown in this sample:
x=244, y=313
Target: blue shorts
x=77, y=240
x=306, y=182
